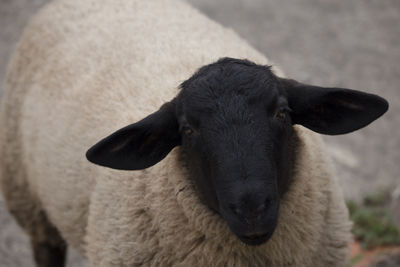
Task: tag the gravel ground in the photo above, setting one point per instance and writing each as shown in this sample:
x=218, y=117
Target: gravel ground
x=354, y=44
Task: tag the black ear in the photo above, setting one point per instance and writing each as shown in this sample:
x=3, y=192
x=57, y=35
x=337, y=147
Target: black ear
x=139, y=145
x=332, y=110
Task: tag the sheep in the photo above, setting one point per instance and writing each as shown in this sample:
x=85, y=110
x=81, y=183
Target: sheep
x=226, y=171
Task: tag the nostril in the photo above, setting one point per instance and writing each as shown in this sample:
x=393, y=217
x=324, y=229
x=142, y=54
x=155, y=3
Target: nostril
x=261, y=208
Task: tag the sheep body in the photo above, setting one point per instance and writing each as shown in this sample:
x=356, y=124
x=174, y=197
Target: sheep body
x=102, y=66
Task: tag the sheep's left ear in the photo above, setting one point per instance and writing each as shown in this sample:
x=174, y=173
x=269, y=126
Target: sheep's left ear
x=332, y=111
x=139, y=145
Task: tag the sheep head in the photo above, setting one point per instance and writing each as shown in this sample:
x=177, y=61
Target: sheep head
x=233, y=120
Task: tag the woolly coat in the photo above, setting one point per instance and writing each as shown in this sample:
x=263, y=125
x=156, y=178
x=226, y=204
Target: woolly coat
x=85, y=68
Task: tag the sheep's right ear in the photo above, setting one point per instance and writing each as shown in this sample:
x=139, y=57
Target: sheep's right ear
x=139, y=145
x=332, y=110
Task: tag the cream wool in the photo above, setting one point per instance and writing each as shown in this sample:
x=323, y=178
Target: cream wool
x=168, y=225
x=84, y=68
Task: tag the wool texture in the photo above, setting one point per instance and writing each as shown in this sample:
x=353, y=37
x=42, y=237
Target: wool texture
x=85, y=68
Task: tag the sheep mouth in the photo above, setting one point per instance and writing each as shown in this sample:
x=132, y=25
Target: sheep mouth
x=255, y=240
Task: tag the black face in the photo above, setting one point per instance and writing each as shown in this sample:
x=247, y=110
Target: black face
x=234, y=120
x=235, y=126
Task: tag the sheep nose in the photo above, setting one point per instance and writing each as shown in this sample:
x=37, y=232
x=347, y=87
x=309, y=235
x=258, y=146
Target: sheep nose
x=250, y=212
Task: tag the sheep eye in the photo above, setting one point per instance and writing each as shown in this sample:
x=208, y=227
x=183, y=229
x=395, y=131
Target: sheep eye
x=187, y=130
x=281, y=113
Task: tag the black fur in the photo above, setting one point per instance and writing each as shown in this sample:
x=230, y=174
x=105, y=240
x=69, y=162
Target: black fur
x=49, y=255
x=151, y=139
x=234, y=120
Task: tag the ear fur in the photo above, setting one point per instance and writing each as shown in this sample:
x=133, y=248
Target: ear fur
x=332, y=111
x=139, y=145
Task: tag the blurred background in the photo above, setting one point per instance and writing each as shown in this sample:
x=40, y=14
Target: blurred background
x=353, y=44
